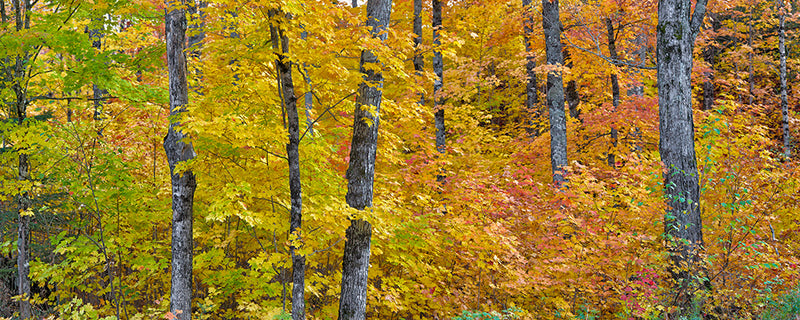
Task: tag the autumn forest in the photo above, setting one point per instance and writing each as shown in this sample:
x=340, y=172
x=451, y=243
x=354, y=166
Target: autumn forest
x=399, y=159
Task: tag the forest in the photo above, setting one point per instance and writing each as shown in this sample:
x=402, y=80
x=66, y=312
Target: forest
x=399, y=159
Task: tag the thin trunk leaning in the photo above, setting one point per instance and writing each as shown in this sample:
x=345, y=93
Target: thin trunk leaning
x=555, y=90
x=177, y=150
x=361, y=171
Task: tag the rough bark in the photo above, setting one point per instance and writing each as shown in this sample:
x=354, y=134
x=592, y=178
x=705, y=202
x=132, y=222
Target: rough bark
x=361, y=171
x=531, y=94
x=555, y=89
x=438, y=101
x=293, y=159
x=177, y=150
x=677, y=30
x=787, y=147
x=612, y=52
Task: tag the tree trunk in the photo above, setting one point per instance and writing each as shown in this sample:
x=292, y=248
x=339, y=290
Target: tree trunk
x=612, y=52
x=177, y=150
x=555, y=89
x=309, y=95
x=293, y=159
x=787, y=147
x=23, y=173
x=751, y=56
x=677, y=30
x=531, y=94
x=361, y=171
x=419, y=61
x=438, y=102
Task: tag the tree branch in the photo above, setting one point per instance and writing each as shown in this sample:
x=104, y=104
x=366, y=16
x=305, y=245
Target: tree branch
x=616, y=62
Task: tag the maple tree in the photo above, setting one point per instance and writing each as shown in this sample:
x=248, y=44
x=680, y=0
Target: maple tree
x=291, y=205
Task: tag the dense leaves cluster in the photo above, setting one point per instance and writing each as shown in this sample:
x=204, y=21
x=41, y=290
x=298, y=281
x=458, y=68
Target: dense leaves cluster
x=475, y=232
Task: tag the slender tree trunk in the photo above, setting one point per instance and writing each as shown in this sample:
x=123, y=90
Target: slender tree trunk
x=24, y=230
x=293, y=158
x=23, y=173
x=419, y=60
x=531, y=94
x=438, y=101
x=751, y=56
x=677, y=30
x=177, y=150
x=555, y=89
x=361, y=171
x=787, y=147
x=612, y=49
x=309, y=95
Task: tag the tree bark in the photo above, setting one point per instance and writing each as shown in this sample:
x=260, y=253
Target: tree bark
x=438, y=101
x=787, y=147
x=293, y=158
x=361, y=171
x=751, y=56
x=23, y=171
x=419, y=61
x=677, y=30
x=531, y=94
x=555, y=89
x=177, y=150
x=612, y=52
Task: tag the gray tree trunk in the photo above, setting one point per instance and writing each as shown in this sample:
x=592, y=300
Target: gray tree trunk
x=751, y=56
x=177, y=150
x=787, y=147
x=293, y=159
x=309, y=95
x=683, y=228
x=419, y=60
x=531, y=94
x=438, y=102
x=23, y=200
x=361, y=171
x=555, y=89
x=21, y=17
x=612, y=52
